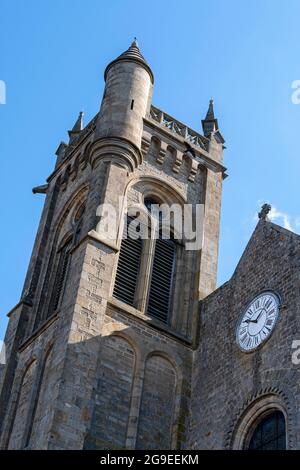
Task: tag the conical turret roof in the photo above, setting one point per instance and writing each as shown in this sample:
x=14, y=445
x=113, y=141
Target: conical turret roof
x=132, y=54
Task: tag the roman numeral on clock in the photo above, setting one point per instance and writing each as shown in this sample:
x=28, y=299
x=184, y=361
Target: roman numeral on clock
x=244, y=339
x=268, y=303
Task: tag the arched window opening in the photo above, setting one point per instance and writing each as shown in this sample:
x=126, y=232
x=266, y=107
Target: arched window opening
x=77, y=223
x=128, y=264
x=22, y=407
x=145, y=274
x=162, y=279
x=270, y=433
x=60, y=276
x=63, y=260
x=153, y=205
x=36, y=433
x=66, y=237
x=149, y=202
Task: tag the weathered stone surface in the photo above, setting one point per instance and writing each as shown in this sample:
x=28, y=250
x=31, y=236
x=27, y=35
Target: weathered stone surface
x=227, y=383
x=82, y=363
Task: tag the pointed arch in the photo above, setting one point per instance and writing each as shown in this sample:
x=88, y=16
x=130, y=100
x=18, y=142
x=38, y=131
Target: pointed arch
x=65, y=235
x=40, y=419
x=22, y=406
x=254, y=415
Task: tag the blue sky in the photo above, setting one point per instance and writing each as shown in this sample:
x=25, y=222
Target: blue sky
x=243, y=54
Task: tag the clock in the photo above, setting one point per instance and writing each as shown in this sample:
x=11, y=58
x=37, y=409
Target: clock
x=258, y=321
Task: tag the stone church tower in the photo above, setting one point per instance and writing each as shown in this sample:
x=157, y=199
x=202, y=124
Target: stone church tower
x=99, y=348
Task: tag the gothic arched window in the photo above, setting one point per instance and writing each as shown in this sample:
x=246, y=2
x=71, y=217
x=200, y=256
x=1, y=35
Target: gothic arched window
x=63, y=260
x=145, y=271
x=270, y=433
x=60, y=276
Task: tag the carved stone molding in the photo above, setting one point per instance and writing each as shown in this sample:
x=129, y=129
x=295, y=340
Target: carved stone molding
x=162, y=153
x=145, y=146
x=254, y=409
x=193, y=170
x=119, y=150
x=178, y=161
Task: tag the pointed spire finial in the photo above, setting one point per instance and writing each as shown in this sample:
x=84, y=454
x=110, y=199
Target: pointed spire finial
x=210, y=124
x=78, y=124
x=77, y=128
x=133, y=54
x=134, y=42
x=210, y=115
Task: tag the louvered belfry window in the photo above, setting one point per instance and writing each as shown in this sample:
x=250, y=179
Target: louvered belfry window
x=128, y=265
x=60, y=277
x=161, y=279
x=133, y=286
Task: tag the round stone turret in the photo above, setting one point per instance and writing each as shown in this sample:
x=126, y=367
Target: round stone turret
x=127, y=97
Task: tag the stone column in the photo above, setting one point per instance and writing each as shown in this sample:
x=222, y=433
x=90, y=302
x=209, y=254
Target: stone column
x=211, y=228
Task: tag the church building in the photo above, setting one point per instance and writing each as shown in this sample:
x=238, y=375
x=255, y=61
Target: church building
x=125, y=343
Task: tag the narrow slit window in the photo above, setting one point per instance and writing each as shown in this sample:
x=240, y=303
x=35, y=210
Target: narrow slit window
x=132, y=104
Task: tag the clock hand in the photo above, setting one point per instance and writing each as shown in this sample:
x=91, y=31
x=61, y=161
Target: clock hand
x=249, y=320
x=260, y=313
x=256, y=319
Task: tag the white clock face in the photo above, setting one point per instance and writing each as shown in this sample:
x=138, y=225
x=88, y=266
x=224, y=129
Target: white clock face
x=258, y=321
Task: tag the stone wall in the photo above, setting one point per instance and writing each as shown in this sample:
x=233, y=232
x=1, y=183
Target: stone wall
x=81, y=375
x=229, y=384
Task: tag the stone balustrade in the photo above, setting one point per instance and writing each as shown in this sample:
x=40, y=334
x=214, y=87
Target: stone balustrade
x=178, y=128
